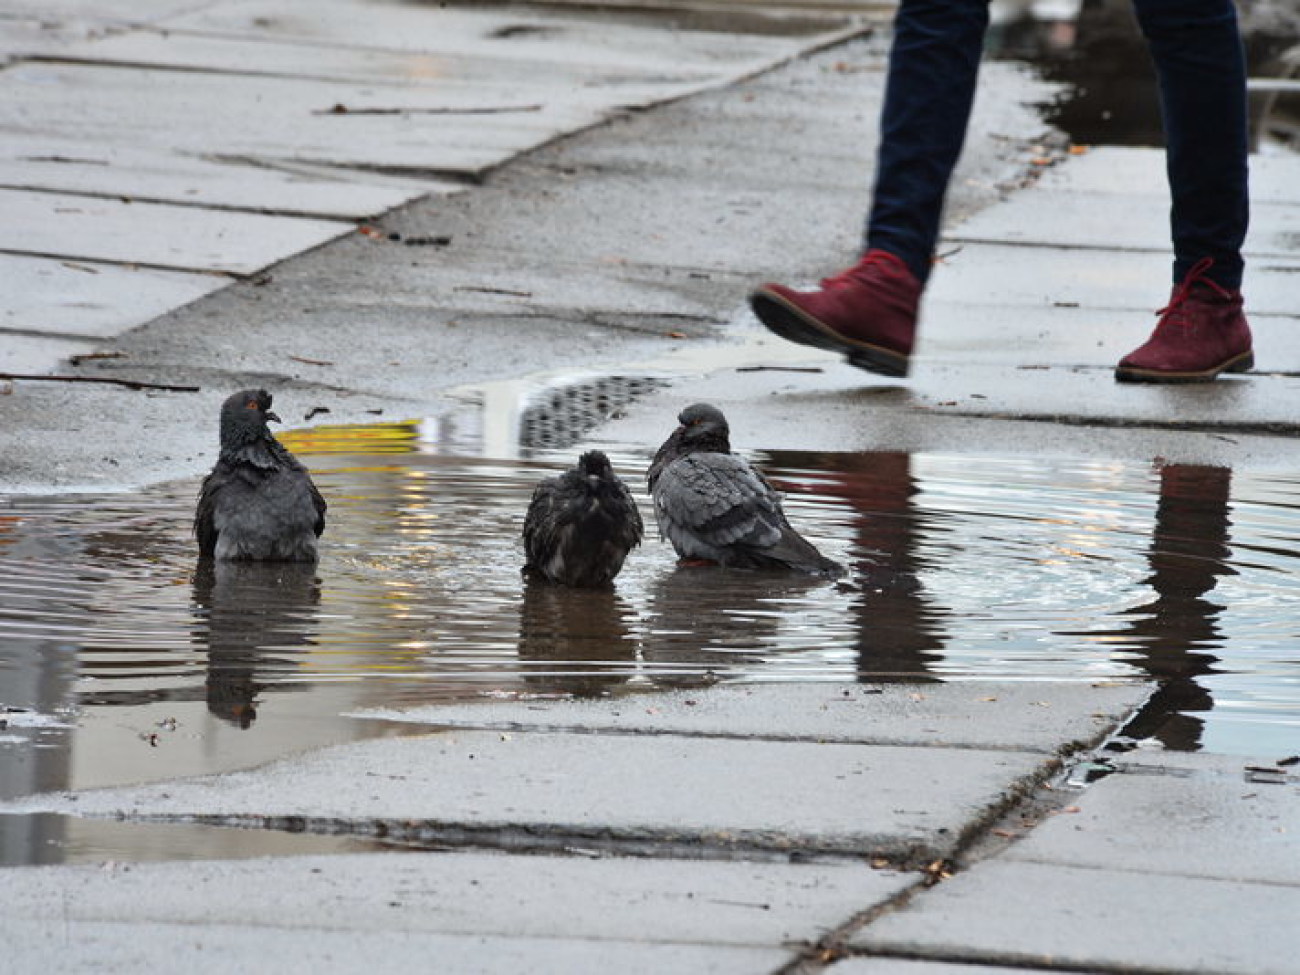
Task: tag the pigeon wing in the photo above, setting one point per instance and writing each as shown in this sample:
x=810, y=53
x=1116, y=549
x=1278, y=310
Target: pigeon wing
x=205, y=521
x=710, y=503
x=319, y=502
x=285, y=459
x=541, y=524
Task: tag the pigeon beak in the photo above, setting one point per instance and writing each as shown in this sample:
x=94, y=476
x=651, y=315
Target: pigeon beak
x=271, y=416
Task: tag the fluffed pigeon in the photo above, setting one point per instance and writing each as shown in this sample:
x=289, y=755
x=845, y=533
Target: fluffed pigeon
x=714, y=507
x=258, y=502
x=581, y=525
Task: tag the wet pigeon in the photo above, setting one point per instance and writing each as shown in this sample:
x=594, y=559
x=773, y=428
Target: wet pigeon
x=258, y=502
x=581, y=525
x=714, y=507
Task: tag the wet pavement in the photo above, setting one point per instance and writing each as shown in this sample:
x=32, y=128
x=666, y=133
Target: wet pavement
x=987, y=734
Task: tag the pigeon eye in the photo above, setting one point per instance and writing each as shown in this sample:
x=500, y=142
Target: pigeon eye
x=251, y=405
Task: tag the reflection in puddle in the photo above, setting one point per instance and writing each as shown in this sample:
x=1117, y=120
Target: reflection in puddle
x=130, y=663
x=1109, y=97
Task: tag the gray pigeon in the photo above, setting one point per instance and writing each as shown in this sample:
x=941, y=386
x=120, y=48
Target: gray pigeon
x=581, y=525
x=258, y=502
x=714, y=507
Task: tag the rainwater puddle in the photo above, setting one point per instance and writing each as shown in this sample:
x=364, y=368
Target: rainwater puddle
x=1109, y=95
x=122, y=662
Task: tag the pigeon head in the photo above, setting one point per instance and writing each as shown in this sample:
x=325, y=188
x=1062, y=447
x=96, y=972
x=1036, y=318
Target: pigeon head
x=595, y=465
x=703, y=427
x=244, y=416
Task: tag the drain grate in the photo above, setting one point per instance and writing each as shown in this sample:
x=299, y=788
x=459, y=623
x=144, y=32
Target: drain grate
x=559, y=416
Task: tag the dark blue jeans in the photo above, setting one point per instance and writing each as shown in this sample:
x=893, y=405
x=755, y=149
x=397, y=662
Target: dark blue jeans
x=1201, y=68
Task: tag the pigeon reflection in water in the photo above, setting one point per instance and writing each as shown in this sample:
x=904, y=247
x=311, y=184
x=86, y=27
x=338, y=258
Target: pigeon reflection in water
x=575, y=641
x=249, y=611
x=714, y=507
x=259, y=502
x=707, y=624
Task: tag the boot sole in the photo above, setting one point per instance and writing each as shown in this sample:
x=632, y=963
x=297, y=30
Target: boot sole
x=1237, y=364
x=792, y=324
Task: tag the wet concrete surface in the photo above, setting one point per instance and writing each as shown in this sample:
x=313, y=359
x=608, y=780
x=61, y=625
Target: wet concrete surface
x=639, y=233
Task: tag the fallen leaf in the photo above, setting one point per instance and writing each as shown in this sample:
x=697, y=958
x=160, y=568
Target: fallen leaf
x=676, y=335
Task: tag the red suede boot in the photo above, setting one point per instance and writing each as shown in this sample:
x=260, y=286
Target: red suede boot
x=868, y=312
x=1201, y=333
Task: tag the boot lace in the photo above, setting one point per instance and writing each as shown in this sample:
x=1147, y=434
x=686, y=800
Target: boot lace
x=1174, y=314
x=849, y=275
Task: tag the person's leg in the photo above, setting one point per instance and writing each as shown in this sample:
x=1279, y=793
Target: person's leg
x=1201, y=68
x=869, y=311
x=933, y=66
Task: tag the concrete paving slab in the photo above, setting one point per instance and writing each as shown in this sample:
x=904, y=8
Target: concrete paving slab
x=1033, y=278
x=82, y=298
x=1066, y=218
x=534, y=34
x=1212, y=826
x=1069, y=336
x=31, y=946
x=160, y=175
x=1160, y=762
x=1130, y=171
x=184, y=238
x=446, y=69
x=105, y=11
x=912, y=804
x=408, y=129
x=33, y=36
x=467, y=894
x=1083, y=919
x=900, y=966
x=867, y=413
x=1026, y=716
x=38, y=354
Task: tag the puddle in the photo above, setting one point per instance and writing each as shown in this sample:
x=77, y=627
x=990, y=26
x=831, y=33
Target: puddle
x=1109, y=97
x=120, y=662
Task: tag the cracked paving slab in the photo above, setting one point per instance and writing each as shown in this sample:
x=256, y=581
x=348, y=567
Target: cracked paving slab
x=1023, y=716
x=672, y=913
x=143, y=946
x=678, y=790
x=1025, y=914
x=553, y=788
x=1226, y=850
x=1215, y=820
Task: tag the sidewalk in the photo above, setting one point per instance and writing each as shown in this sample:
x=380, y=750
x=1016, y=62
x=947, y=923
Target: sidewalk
x=154, y=151
x=890, y=830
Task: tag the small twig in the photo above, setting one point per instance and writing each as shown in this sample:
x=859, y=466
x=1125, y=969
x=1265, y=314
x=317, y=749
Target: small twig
x=779, y=369
x=77, y=360
x=483, y=289
x=128, y=383
x=443, y=110
x=311, y=362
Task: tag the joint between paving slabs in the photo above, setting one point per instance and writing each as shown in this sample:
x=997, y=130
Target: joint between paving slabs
x=1024, y=808
x=1000, y=961
x=524, y=727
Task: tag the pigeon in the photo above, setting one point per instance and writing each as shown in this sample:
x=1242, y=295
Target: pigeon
x=581, y=525
x=258, y=503
x=714, y=507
